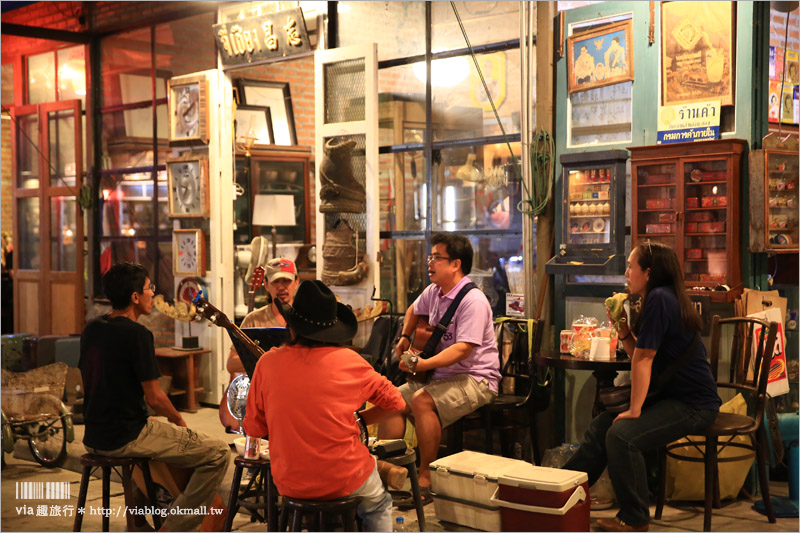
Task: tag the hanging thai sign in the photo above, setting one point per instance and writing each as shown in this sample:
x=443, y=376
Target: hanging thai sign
x=257, y=39
x=688, y=122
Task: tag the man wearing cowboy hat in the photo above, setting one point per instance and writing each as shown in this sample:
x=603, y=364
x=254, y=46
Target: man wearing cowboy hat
x=464, y=373
x=282, y=283
x=303, y=396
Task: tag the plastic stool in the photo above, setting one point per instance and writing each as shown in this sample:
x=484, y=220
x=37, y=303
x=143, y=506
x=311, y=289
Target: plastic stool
x=260, y=486
x=125, y=464
x=321, y=512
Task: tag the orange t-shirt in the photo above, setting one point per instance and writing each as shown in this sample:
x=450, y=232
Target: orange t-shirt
x=306, y=397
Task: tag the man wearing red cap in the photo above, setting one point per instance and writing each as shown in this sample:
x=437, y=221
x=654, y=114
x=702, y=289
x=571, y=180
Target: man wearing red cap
x=281, y=284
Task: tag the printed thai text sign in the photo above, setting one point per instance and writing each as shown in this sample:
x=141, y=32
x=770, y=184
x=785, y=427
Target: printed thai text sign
x=688, y=122
x=256, y=39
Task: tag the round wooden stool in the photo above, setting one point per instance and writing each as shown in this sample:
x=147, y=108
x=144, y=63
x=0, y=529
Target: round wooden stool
x=324, y=514
x=408, y=460
x=125, y=465
x=259, y=487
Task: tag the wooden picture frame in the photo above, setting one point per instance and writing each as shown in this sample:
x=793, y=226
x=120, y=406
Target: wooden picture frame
x=261, y=120
x=187, y=178
x=698, y=56
x=589, y=53
x=276, y=96
x=187, y=99
x=188, y=252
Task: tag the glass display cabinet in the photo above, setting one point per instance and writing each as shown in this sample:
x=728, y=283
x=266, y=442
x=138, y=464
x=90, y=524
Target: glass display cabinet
x=774, y=199
x=592, y=214
x=686, y=195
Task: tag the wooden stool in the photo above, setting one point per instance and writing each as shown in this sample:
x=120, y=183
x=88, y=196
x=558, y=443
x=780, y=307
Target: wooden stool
x=409, y=461
x=260, y=486
x=125, y=464
x=322, y=513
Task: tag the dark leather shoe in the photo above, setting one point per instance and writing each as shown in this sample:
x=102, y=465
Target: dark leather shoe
x=615, y=524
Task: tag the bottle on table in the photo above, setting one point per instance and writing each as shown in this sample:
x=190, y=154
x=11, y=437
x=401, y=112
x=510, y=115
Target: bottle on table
x=399, y=524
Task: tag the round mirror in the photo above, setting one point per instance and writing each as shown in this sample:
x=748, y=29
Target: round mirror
x=237, y=396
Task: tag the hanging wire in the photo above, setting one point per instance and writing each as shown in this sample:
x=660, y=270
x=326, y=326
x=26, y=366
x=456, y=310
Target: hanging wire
x=541, y=156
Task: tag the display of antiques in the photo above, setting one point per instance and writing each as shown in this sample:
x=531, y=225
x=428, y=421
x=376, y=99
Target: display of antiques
x=188, y=110
x=343, y=263
x=340, y=191
x=774, y=196
x=592, y=214
x=686, y=195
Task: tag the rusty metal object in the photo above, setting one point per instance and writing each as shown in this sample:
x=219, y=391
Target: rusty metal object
x=339, y=191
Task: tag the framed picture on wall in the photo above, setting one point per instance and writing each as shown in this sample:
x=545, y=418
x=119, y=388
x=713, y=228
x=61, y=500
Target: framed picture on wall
x=188, y=110
x=188, y=186
x=276, y=96
x=697, y=53
x=600, y=57
x=253, y=122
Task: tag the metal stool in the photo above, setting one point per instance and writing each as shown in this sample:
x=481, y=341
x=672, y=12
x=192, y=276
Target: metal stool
x=260, y=485
x=125, y=464
x=409, y=461
x=321, y=512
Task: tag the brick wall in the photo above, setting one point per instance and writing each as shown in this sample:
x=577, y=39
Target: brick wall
x=6, y=186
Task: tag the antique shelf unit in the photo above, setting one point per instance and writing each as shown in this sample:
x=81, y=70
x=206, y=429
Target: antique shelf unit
x=686, y=195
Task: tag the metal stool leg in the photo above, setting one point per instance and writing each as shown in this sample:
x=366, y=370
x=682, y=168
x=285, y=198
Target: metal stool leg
x=127, y=490
x=272, y=501
x=412, y=474
x=87, y=472
x=151, y=491
x=233, y=505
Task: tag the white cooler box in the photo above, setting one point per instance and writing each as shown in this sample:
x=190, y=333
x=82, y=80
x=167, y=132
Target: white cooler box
x=464, y=484
x=535, y=498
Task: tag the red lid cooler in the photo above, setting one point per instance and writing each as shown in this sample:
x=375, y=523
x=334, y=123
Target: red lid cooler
x=537, y=498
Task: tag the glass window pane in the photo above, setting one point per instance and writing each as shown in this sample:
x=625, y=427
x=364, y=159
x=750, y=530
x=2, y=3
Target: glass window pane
x=242, y=233
x=601, y=115
x=402, y=105
x=404, y=271
x=484, y=22
x=7, y=85
x=284, y=180
x=461, y=107
x=122, y=151
x=62, y=148
x=397, y=27
x=183, y=46
x=72, y=74
x=344, y=91
x=63, y=232
x=476, y=188
x=41, y=78
x=142, y=252
x=28, y=228
x=27, y=152
x=121, y=54
x=497, y=268
x=127, y=205
x=403, y=191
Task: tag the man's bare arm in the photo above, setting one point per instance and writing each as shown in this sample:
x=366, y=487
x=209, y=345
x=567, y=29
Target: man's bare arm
x=159, y=402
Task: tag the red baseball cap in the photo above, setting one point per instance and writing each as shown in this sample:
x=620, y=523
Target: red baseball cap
x=280, y=267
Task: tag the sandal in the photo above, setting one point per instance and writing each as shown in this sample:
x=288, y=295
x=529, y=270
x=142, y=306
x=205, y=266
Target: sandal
x=425, y=495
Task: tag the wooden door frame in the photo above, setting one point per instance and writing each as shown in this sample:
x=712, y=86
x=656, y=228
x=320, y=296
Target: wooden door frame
x=45, y=192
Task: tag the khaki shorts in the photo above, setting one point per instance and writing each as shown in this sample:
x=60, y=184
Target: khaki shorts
x=454, y=397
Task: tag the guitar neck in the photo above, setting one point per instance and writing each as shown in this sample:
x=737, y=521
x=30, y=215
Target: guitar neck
x=251, y=346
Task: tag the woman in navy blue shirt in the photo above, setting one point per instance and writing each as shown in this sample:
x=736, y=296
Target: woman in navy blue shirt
x=687, y=404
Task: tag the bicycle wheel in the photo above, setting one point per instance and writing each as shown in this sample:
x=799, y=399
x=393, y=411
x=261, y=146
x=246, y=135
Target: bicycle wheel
x=47, y=442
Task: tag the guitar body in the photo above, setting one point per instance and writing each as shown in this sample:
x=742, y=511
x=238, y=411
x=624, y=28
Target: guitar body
x=422, y=334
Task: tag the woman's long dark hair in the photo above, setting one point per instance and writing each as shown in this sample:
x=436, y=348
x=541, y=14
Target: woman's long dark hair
x=666, y=271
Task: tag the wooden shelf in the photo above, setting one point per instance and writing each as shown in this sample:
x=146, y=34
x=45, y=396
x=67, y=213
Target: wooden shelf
x=652, y=185
x=716, y=182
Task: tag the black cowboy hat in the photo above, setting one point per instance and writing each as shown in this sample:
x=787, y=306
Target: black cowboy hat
x=317, y=315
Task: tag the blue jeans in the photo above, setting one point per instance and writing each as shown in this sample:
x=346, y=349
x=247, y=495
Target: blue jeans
x=375, y=509
x=620, y=446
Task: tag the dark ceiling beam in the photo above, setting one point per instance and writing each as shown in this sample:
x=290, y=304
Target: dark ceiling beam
x=45, y=33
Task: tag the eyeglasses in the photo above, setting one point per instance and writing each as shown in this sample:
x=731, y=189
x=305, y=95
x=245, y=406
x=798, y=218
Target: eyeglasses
x=152, y=287
x=434, y=258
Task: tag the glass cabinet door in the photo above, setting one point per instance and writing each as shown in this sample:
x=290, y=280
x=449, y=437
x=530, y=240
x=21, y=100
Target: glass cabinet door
x=282, y=178
x=590, y=206
x=782, y=203
x=706, y=221
x=656, y=203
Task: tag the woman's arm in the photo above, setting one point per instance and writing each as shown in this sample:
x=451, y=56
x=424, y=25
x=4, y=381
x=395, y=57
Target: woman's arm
x=641, y=366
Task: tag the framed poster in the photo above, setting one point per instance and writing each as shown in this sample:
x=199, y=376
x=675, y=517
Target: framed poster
x=600, y=57
x=253, y=122
x=188, y=186
x=188, y=110
x=274, y=95
x=697, y=52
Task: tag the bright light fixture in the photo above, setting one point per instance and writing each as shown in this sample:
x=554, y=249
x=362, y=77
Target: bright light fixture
x=445, y=72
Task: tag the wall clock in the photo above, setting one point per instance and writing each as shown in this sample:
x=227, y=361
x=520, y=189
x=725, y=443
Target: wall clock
x=188, y=110
x=188, y=187
x=188, y=252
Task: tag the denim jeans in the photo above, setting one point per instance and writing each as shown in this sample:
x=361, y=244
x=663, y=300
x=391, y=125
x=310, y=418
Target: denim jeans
x=375, y=508
x=620, y=446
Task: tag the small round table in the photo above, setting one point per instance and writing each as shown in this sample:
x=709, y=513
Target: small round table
x=604, y=371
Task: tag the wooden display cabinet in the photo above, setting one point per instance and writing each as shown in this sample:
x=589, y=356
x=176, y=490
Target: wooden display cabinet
x=774, y=198
x=686, y=195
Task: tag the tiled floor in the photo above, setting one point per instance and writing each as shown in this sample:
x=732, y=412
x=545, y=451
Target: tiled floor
x=734, y=516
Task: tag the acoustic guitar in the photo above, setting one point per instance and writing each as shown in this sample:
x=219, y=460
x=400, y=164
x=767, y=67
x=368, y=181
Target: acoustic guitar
x=252, y=351
x=422, y=333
